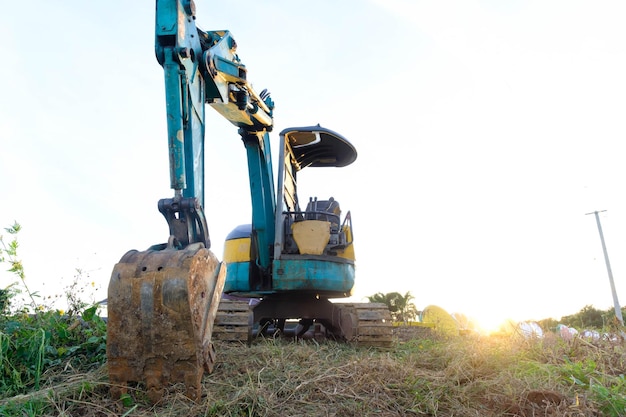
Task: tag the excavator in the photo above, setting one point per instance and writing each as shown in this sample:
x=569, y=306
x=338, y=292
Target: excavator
x=280, y=273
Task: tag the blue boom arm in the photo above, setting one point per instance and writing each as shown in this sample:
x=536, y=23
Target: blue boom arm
x=203, y=68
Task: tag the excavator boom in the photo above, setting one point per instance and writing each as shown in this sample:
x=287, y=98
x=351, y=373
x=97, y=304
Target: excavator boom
x=162, y=302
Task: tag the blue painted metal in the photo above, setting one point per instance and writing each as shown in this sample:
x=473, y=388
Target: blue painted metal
x=177, y=50
x=320, y=276
x=203, y=67
x=262, y=194
x=325, y=277
x=238, y=278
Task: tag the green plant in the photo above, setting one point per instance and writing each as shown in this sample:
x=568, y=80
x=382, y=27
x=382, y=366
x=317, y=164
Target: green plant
x=8, y=254
x=611, y=396
x=29, y=408
x=32, y=343
x=75, y=293
x=607, y=390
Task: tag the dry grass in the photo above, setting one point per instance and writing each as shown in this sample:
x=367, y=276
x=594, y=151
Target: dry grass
x=427, y=376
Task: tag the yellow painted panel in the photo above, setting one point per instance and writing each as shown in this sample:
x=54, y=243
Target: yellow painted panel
x=311, y=236
x=347, y=253
x=237, y=250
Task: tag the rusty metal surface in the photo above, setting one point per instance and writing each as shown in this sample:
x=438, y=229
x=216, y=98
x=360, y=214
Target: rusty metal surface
x=161, y=309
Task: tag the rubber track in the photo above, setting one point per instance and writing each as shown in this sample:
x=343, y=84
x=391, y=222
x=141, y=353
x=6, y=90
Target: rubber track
x=232, y=322
x=373, y=327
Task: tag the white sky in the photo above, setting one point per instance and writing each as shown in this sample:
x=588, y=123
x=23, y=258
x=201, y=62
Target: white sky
x=485, y=130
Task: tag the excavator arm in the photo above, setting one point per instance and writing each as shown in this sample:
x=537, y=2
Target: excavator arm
x=162, y=302
x=199, y=67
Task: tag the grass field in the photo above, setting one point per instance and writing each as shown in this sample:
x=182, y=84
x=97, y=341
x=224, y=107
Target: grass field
x=53, y=363
x=424, y=376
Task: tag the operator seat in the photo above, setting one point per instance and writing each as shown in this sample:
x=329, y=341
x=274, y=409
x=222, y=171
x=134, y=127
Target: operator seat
x=323, y=210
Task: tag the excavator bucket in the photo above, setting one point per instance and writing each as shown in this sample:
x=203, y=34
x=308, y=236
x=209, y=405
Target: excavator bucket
x=161, y=309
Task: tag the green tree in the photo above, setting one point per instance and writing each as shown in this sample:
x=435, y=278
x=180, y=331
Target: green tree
x=400, y=306
x=588, y=317
x=548, y=324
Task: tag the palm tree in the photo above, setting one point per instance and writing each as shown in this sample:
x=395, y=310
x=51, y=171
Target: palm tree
x=387, y=299
x=400, y=306
x=406, y=309
x=379, y=297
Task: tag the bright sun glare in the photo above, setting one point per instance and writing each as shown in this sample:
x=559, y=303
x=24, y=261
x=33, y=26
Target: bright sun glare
x=488, y=322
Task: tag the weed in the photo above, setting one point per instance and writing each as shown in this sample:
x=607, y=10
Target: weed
x=33, y=342
x=611, y=396
x=31, y=408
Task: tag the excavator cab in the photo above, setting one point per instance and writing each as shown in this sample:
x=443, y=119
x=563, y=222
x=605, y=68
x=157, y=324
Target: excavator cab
x=313, y=258
x=318, y=230
x=312, y=248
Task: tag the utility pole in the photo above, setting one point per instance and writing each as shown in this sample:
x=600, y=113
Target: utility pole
x=618, y=308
